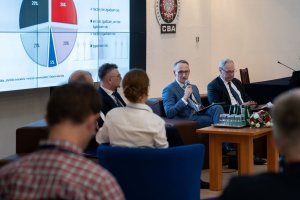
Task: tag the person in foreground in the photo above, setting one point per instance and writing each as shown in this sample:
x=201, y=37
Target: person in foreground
x=286, y=132
x=58, y=170
x=182, y=99
x=134, y=125
x=225, y=88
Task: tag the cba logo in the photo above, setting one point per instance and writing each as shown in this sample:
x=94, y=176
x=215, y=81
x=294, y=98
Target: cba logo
x=167, y=14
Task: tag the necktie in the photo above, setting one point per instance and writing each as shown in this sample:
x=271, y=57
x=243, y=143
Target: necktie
x=193, y=105
x=118, y=102
x=235, y=94
x=192, y=101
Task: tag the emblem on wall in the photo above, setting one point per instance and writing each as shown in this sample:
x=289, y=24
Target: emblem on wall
x=167, y=14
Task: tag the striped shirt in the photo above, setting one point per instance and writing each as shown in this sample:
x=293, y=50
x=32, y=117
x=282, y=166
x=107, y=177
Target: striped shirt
x=57, y=171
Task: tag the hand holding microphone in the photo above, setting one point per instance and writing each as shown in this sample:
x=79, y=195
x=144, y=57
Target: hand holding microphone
x=188, y=90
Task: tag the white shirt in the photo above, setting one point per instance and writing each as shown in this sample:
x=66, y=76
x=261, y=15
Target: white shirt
x=133, y=126
x=232, y=99
x=109, y=92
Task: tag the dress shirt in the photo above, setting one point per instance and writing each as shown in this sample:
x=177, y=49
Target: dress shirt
x=57, y=171
x=133, y=126
x=232, y=99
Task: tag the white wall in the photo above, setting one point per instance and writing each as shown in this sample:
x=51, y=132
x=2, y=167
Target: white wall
x=18, y=108
x=256, y=34
x=163, y=50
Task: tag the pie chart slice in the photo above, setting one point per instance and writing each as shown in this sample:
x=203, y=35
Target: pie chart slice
x=64, y=11
x=64, y=41
x=37, y=47
x=33, y=13
x=52, y=54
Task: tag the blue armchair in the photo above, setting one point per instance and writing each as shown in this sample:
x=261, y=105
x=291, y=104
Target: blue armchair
x=166, y=174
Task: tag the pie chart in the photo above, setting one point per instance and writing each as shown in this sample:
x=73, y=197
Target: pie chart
x=48, y=30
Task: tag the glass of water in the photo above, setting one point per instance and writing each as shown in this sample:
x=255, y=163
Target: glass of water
x=222, y=119
x=238, y=120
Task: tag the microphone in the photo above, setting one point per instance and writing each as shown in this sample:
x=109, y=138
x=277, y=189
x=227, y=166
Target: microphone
x=186, y=83
x=285, y=66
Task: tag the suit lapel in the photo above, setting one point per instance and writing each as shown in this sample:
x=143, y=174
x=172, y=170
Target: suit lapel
x=179, y=90
x=221, y=83
x=106, y=98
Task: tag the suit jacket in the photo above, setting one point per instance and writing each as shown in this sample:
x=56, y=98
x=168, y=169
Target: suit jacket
x=217, y=92
x=283, y=185
x=173, y=105
x=107, y=102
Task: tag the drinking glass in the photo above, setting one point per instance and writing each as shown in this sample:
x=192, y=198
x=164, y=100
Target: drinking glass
x=231, y=120
x=238, y=120
x=222, y=119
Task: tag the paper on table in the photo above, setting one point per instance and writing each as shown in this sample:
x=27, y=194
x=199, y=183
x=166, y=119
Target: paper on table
x=207, y=107
x=263, y=106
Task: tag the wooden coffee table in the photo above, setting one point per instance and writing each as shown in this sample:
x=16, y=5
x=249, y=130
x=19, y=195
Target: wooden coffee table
x=244, y=138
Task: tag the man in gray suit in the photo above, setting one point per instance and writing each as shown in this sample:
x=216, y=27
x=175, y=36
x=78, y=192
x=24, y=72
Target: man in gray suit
x=182, y=99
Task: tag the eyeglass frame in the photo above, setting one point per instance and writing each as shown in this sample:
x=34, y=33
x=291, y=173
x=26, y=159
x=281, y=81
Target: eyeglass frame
x=183, y=72
x=228, y=71
x=117, y=76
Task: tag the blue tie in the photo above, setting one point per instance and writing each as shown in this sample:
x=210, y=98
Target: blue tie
x=193, y=105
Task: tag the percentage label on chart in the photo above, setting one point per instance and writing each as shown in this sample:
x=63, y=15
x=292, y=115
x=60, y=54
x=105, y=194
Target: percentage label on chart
x=66, y=43
x=36, y=45
x=34, y=3
x=63, y=4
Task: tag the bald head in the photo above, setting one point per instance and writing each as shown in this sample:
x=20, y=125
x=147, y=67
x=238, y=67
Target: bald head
x=81, y=76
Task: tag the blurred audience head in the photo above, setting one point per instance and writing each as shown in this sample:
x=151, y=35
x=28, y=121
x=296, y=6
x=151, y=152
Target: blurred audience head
x=81, y=76
x=109, y=76
x=74, y=102
x=286, y=120
x=227, y=70
x=136, y=86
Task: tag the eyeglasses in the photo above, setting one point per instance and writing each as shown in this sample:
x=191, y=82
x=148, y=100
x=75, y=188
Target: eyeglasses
x=117, y=76
x=229, y=71
x=183, y=72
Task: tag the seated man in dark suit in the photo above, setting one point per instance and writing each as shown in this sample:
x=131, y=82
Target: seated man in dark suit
x=286, y=132
x=225, y=88
x=110, y=80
